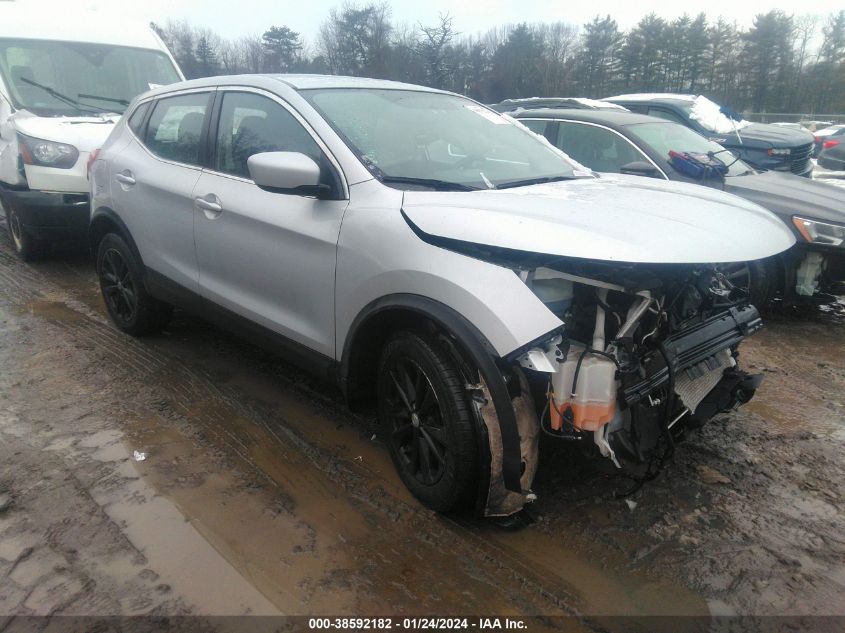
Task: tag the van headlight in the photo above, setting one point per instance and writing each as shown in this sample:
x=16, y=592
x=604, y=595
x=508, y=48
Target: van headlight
x=36, y=151
x=816, y=232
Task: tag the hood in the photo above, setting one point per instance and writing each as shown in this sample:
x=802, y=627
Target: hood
x=764, y=135
x=788, y=195
x=85, y=133
x=618, y=218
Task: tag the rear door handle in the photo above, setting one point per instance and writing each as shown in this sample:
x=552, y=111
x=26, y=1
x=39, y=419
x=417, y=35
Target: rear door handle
x=125, y=178
x=210, y=205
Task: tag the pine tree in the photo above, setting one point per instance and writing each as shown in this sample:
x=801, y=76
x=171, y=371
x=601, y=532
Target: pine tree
x=206, y=57
x=283, y=46
x=599, y=63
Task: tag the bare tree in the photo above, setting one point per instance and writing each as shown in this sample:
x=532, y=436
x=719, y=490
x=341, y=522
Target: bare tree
x=433, y=49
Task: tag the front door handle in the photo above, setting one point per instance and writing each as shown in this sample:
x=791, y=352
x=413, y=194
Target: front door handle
x=210, y=205
x=125, y=178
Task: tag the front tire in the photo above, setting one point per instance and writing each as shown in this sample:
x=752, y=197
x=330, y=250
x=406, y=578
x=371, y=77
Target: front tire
x=754, y=278
x=426, y=421
x=26, y=246
x=130, y=306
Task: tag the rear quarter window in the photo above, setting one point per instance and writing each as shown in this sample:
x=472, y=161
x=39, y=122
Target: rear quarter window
x=136, y=119
x=175, y=128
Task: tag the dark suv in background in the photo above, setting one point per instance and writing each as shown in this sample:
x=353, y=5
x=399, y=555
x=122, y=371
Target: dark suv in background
x=616, y=141
x=761, y=145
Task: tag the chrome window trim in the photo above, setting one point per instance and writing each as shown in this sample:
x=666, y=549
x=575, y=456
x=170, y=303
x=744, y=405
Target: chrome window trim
x=604, y=127
x=300, y=119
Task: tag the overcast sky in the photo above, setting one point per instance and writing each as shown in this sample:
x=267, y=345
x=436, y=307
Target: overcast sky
x=234, y=18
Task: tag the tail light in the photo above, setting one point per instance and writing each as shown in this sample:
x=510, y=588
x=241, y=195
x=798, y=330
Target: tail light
x=829, y=144
x=91, y=158
x=817, y=140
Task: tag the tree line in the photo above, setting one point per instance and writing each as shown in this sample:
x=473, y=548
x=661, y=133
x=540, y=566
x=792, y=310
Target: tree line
x=781, y=63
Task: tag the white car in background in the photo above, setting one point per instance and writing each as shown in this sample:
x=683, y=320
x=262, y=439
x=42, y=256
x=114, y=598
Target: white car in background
x=65, y=79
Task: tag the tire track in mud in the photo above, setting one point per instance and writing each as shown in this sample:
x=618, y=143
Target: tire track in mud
x=27, y=289
x=187, y=396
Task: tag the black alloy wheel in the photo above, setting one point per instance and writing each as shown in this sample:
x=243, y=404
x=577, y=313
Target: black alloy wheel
x=117, y=285
x=129, y=304
x=417, y=432
x=426, y=420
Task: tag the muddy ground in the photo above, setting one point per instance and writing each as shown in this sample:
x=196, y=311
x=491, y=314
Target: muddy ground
x=261, y=494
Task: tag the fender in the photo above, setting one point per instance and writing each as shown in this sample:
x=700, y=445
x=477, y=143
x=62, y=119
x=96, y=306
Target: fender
x=479, y=351
x=106, y=212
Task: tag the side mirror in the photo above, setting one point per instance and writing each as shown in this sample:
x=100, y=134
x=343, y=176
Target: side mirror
x=286, y=172
x=639, y=168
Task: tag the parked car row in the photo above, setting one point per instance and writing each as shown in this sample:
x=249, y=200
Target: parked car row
x=762, y=145
x=444, y=265
x=621, y=142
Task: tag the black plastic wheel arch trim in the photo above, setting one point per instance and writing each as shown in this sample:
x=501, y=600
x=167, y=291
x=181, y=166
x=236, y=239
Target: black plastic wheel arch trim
x=123, y=231
x=482, y=355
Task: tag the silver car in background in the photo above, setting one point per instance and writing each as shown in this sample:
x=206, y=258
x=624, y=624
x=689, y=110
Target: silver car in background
x=443, y=264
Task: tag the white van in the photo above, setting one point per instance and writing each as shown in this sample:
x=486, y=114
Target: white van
x=65, y=80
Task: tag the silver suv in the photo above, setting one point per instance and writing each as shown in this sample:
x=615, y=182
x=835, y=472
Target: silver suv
x=440, y=262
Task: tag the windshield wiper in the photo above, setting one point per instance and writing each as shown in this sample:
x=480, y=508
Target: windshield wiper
x=535, y=181
x=63, y=98
x=438, y=185
x=122, y=102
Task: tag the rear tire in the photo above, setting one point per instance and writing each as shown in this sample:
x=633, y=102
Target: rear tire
x=426, y=421
x=130, y=306
x=26, y=246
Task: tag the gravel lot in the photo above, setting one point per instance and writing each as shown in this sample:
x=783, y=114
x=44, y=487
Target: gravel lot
x=260, y=493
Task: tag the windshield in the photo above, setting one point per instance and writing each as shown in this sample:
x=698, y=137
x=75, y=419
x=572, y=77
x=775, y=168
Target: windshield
x=52, y=78
x=406, y=137
x=663, y=137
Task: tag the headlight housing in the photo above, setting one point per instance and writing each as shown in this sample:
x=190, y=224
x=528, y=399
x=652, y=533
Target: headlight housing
x=816, y=232
x=36, y=151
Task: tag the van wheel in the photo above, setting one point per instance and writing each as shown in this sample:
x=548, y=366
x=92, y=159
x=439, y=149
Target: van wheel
x=426, y=421
x=27, y=247
x=130, y=306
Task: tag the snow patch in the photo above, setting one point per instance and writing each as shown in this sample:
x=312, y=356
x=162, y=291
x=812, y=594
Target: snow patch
x=650, y=96
x=711, y=117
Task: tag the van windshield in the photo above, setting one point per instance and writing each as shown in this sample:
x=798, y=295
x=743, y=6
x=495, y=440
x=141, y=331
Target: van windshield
x=51, y=78
x=439, y=140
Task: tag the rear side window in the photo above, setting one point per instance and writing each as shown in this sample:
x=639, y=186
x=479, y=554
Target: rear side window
x=175, y=127
x=137, y=118
x=251, y=124
x=596, y=147
x=538, y=127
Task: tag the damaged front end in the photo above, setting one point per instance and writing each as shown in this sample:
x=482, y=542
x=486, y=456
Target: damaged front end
x=648, y=352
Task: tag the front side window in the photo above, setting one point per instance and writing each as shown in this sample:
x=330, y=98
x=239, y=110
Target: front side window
x=51, y=78
x=175, y=127
x=251, y=124
x=596, y=147
x=666, y=137
x=438, y=140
